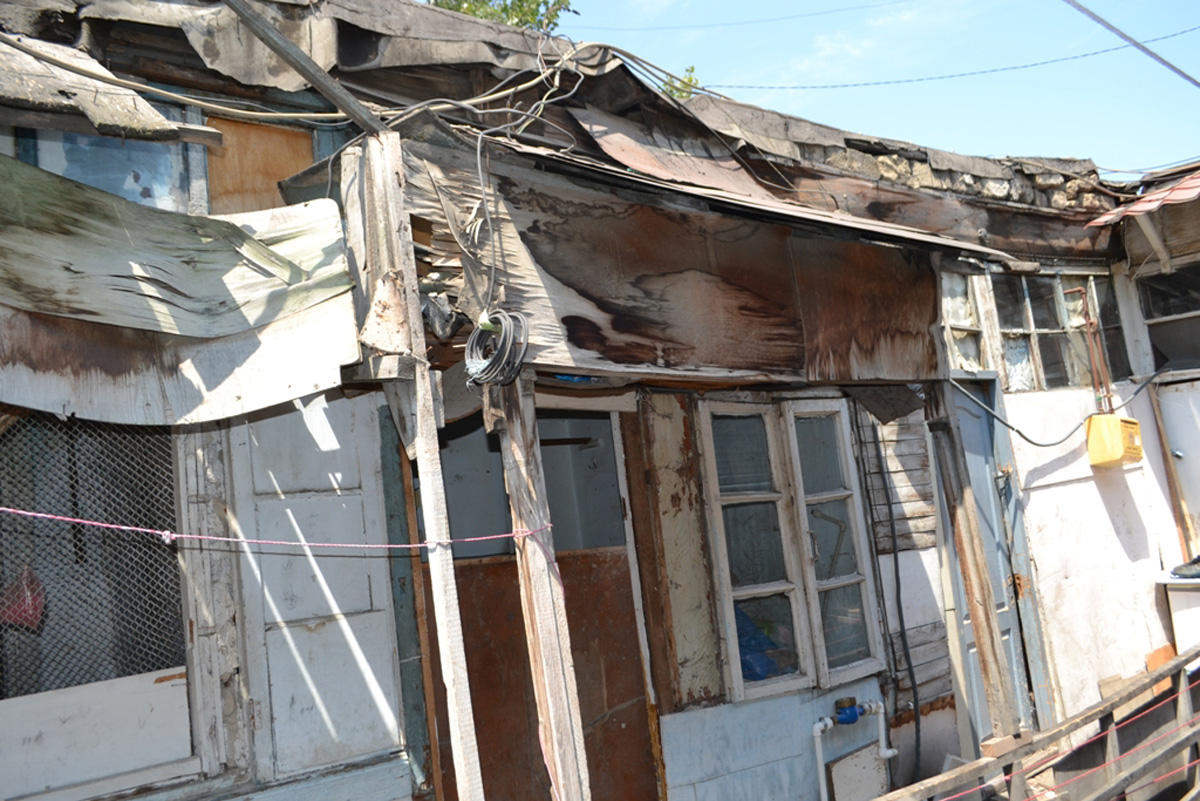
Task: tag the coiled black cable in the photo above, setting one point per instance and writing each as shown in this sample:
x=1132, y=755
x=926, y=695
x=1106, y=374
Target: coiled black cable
x=496, y=351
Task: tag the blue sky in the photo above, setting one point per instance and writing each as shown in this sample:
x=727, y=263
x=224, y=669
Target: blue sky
x=1120, y=109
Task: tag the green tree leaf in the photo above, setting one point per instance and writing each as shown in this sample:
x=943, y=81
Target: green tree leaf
x=540, y=14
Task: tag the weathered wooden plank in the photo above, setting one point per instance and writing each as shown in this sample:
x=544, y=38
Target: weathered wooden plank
x=383, y=184
x=560, y=728
x=656, y=601
x=244, y=174
x=997, y=681
x=673, y=479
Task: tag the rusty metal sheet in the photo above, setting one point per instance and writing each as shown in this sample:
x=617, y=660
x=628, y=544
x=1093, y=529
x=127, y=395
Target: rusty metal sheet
x=1185, y=190
x=671, y=288
x=608, y=671
x=661, y=157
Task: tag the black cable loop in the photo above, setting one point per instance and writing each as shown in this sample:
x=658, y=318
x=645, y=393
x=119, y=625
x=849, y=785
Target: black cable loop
x=496, y=351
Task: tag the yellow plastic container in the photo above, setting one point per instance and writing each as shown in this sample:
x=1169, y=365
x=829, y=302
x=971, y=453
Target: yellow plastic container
x=1113, y=440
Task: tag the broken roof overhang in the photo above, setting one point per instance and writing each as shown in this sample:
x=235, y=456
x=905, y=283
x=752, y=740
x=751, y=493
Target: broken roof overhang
x=1184, y=190
x=37, y=93
x=818, y=221
x=128, y=314
x=375, y=34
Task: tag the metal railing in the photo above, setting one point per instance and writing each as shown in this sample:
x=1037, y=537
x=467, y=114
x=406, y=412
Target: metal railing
x=1119, y=758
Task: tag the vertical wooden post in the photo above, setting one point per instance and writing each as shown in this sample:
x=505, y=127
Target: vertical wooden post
x=560, y=728
x=977, y=585
x=387, y=242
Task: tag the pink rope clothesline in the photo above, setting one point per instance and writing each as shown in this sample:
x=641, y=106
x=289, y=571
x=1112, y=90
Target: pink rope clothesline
x=169, y=537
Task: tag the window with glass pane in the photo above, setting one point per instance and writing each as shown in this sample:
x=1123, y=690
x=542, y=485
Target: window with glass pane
x=1043, y=329
x=834, y=540
x=961, y=321
x=763, y=590
x=791, y=571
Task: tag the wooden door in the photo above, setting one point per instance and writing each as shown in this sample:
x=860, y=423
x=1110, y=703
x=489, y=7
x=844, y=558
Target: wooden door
x=593, y=559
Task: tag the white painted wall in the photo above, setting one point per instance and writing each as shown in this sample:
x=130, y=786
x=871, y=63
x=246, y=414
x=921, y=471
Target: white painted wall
x=320, y=634
x=1098, y=540
x=761, y=749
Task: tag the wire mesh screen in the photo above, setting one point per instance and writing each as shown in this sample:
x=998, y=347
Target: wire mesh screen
x=81, y=604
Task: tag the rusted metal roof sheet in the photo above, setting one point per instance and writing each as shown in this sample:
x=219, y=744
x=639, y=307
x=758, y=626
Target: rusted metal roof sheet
x=654, y=284
x=1185, y=190
x=35, y=86
x=69, y=250
x=654, y=154
x=784, y=211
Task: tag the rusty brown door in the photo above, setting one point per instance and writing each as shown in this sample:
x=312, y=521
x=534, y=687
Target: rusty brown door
x=588, y=510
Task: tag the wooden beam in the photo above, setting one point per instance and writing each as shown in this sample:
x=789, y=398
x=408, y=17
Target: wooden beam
x=560, y=728
x=298, y=60
x=381, y=186
x=977, y=585
x=1150, y=231
x=1189, y=545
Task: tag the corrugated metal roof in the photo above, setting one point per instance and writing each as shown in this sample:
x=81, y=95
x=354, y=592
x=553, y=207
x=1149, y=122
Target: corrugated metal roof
x=1183, y=191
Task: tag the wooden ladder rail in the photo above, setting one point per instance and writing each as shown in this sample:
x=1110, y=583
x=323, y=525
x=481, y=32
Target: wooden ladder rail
x=1013, y=762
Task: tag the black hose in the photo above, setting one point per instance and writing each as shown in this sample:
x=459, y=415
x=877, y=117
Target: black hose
x=912, y=673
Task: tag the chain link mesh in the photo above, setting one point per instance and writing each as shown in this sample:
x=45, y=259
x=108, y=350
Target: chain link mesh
x=80, y=604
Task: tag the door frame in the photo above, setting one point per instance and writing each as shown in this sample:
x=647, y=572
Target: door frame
x=1036, y=668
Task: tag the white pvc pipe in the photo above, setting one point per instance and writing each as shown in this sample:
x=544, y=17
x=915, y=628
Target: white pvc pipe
x=876, y=708
x=821, y=726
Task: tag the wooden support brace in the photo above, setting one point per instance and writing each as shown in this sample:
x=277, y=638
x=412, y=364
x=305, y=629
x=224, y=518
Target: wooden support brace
x=381, y=185
x=977, y=585
x=560, y=728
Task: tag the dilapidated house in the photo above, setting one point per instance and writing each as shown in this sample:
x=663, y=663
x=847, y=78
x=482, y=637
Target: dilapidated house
x=709, y=409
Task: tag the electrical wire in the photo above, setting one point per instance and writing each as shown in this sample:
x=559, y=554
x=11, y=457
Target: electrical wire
x=948, y=76
x=1099, y=20
x=912, y=673
x=735, y=23
x=1070, y=433
x=496, y=351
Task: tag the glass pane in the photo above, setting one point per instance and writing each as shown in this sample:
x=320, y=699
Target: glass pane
x=833, y=539
x=149, y=173
x=766, y=637
x=957, y=308
x=1106, y=300
x=1073, y=300
x=844, y=626
x=1177, y=293
x=743, y=461
x=1118, y=357
x=820, y=459
x=966, y=350
x=1010, y=301
x=1018, y=365
x=1044, y=301
x=1054, y=360
x=752, y=540
x=581, y=479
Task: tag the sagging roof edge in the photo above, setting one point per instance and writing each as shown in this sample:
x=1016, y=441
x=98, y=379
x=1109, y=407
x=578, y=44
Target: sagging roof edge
x=428, y=128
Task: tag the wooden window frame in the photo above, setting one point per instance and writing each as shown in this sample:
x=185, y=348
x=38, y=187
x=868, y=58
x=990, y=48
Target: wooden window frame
x=801, y=585
x=1031, y=331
